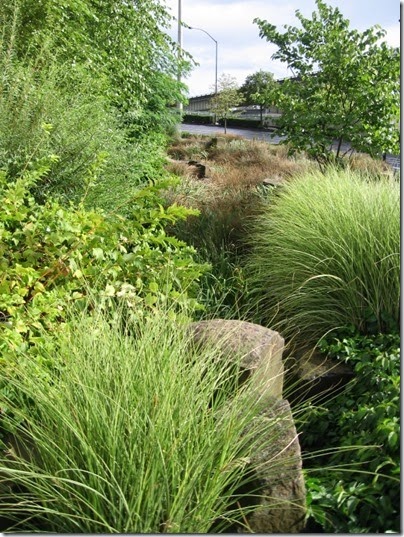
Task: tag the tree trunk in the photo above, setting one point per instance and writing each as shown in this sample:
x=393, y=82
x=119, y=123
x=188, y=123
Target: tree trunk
x=339, y=146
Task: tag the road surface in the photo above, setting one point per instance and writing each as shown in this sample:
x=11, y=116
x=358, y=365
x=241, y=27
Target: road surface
x=245, y=133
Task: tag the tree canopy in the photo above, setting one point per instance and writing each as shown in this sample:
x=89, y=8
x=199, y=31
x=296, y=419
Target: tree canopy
x=227, y=98
x=123, y=43
x=258, y=88
x=345, y=86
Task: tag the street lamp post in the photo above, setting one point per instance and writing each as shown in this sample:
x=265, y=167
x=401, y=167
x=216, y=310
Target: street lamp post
x=179, y=104
x=213, y=39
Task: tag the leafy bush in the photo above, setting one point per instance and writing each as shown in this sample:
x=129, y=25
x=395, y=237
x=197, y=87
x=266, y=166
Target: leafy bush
x=325, y=254
x=57, y=109
x=360, y=493
x=202, y=119
x=128, y=49
x=138, y=432
x=197, y=119
x=345, y=85
x=51, y=256
x=142, y=165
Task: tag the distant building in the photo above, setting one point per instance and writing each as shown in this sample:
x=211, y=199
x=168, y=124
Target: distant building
x=202, y=104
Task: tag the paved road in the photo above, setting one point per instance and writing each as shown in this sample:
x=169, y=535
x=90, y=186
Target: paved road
x=252, y=134
x=245, y=133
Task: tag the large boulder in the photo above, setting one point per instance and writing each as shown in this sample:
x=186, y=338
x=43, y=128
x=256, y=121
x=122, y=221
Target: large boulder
x=278, y=492
x=260, y=350
x=276, y=495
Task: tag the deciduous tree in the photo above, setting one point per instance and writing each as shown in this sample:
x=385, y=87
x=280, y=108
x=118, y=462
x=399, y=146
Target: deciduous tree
x=227, y=98
x=346, y=85
x=123, y=43
x=258, y=88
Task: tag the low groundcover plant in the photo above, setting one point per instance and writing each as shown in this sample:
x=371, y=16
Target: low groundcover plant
x=358, y=491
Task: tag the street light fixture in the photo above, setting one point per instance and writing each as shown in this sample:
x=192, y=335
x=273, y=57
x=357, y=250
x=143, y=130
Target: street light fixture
x=213, y=39
x=179, y=43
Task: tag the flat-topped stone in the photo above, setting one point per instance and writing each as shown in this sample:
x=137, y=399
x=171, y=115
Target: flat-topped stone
x=259, y=350
x=317, y=374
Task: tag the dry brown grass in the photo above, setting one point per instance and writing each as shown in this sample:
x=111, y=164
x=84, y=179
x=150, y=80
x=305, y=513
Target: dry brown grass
x=364, y=163
x=184, y=150
x=191, y=193
x=235, y=162
x=197, y=146
x=178, y=167
x=232, y=193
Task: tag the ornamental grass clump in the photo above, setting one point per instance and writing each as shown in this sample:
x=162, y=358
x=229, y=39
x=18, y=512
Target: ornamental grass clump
x=326, y=255
x=136, y=433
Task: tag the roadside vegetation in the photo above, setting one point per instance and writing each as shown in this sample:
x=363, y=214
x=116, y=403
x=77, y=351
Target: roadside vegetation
x=345, y=85
x=358, y=490
x=112, y=241
x=325, y=255
x=316, y=256
x=138, y=432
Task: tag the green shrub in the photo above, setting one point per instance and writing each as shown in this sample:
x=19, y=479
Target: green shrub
x=325, y=254
x=114, y=187
x=360, y=493
x=138, y=432
x=128, y=49
x=236, y=122
x=57, y=109
x=51, y=256
x=197, y=119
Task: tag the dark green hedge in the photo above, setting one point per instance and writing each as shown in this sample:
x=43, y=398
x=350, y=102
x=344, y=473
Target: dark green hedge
x=239, y=122
x=195, y=119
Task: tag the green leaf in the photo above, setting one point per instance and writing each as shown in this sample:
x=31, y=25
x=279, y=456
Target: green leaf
x=98, y=253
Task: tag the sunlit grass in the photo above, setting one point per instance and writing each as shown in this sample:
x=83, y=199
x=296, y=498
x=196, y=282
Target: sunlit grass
x=326, y=255
x=137, y=433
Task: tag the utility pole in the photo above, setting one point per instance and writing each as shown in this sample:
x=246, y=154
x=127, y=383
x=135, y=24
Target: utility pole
x=179, y=43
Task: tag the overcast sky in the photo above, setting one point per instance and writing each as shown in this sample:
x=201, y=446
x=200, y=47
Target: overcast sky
x=241, y=51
